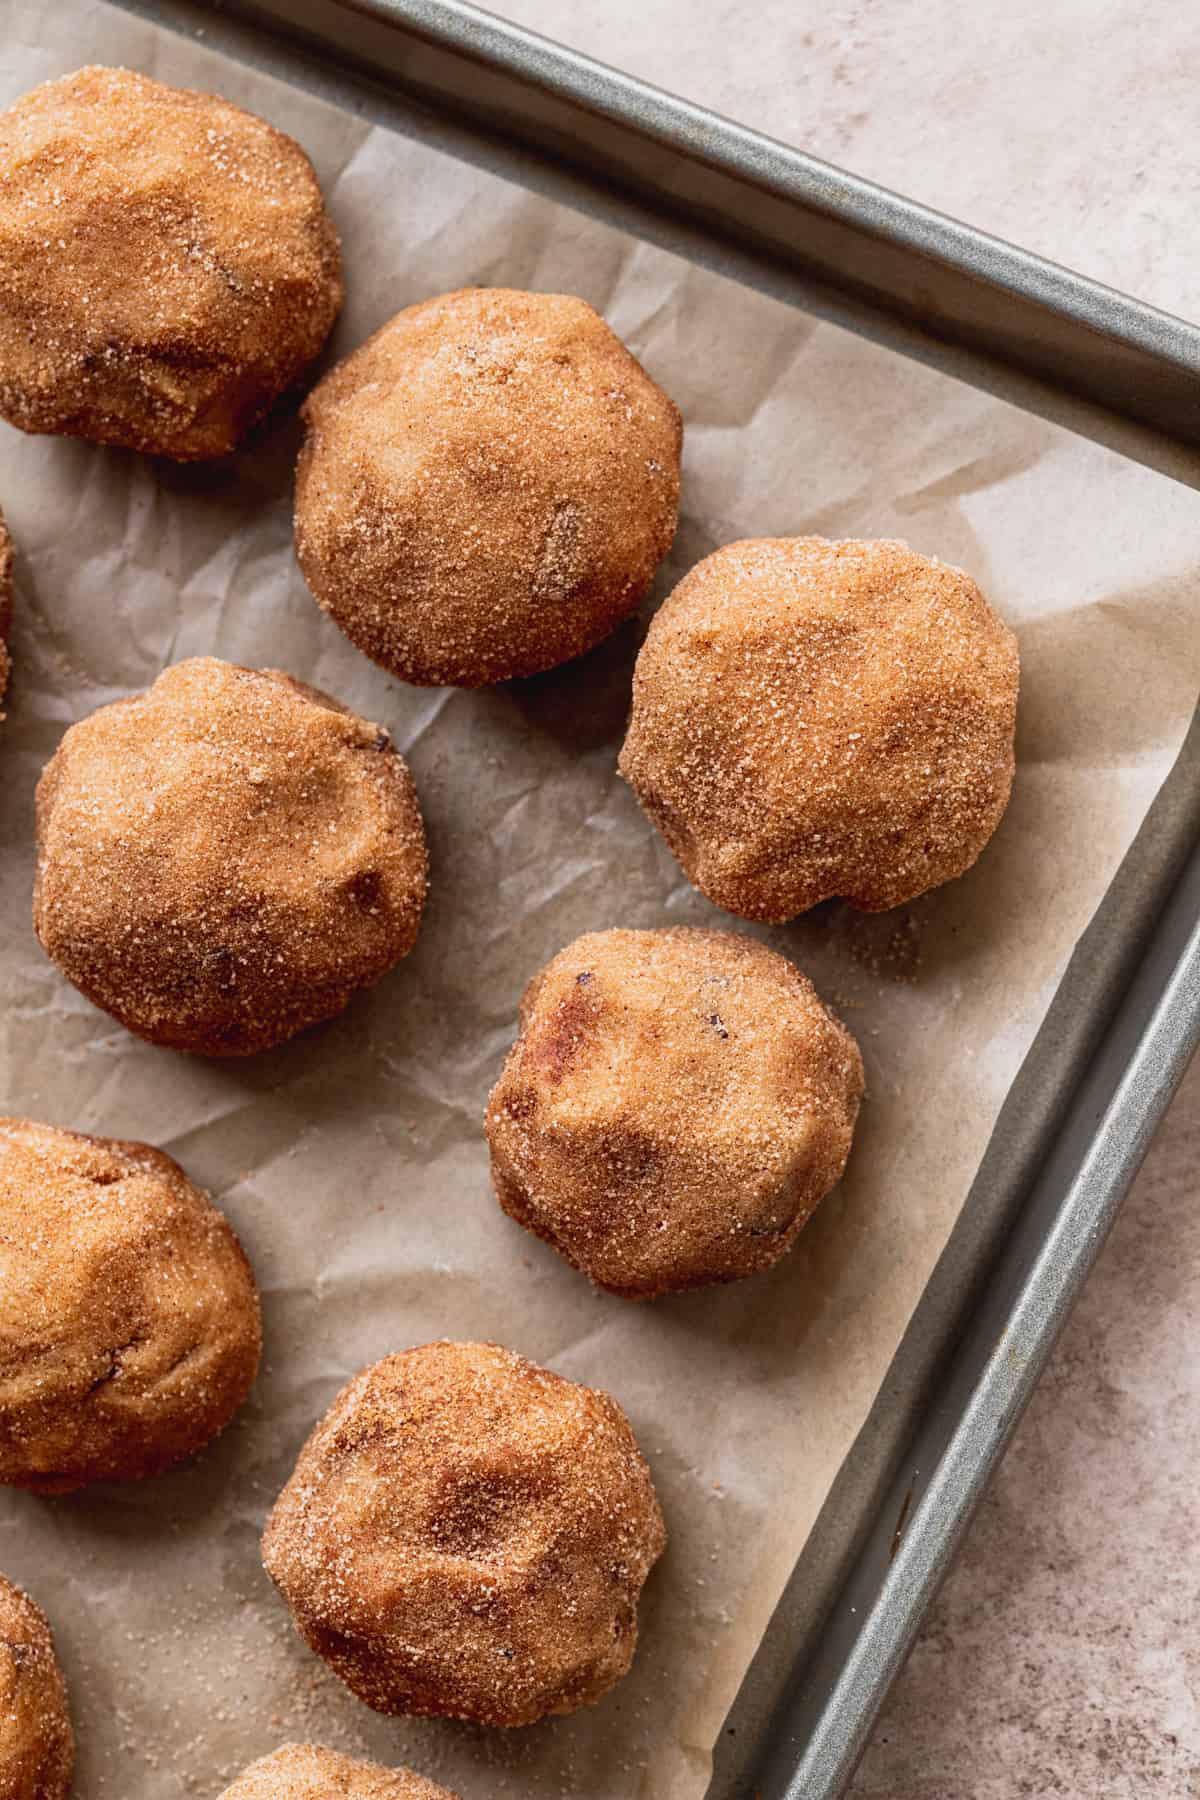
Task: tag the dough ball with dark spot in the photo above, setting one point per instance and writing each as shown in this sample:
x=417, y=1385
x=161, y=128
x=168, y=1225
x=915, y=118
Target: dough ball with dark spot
x=227, y=858
x=167, y=266
x=467, y=1534
x=816, y=719
x=37, y=1747
x=487, y=487
x=676, y=1106
x=129, y=1317
x=307, y=1772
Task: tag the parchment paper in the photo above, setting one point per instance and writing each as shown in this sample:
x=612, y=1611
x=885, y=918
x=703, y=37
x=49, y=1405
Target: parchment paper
x=352, y=1161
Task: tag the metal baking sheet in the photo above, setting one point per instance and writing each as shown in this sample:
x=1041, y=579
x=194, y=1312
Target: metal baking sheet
x=1125, y=1021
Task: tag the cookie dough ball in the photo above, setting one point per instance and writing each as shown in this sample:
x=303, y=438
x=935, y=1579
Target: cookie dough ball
x=167, y=266
x=129, y=1318
x=486, y=488
x=467, y=1534
x=307, y=1772
x=6, y=562
x=677, y=1104
x=816, y=719
x=225, y=859
x=37, y=1748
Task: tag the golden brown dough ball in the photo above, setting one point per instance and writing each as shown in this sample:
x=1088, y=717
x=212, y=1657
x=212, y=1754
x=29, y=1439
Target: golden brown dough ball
x=467, y=1534
x=226, y=858
x=486, y=488
x=307, y=1772
x=816, y=719
x=129, y=1317
x=167, y=266
x=677, y=1104
x=6, y=599
x=37, y=1747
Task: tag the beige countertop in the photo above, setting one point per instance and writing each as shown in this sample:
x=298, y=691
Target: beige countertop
x=1064, y=125
x=1063, y=1657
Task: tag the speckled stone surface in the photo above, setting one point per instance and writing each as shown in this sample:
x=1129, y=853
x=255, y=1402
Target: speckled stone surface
x=1063, y=1657
x=1065, y=125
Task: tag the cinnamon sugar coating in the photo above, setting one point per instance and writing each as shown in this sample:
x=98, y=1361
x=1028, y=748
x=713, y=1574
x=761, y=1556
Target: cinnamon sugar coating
x=467, y=1534
x=167, y=266
x=37, y=1746
x=226, y=858
x=815, y=719
x=129, y=1317
x=676, y=1106
x=486, y=488
x=6, y=606
x=308, y=1772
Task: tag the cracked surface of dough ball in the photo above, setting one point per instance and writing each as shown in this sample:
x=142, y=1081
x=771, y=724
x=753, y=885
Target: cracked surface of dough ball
x=37, y=1747
x=676, y=1106
x=129, y=1316
x=167, y=266
x=486, y=488
x=226, y=858
x=6, y=606
x=467, y=1534
x=816, y=719
x=308, y=1772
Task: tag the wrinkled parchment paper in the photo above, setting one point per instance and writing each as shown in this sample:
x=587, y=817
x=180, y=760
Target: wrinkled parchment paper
x=352, y=1161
